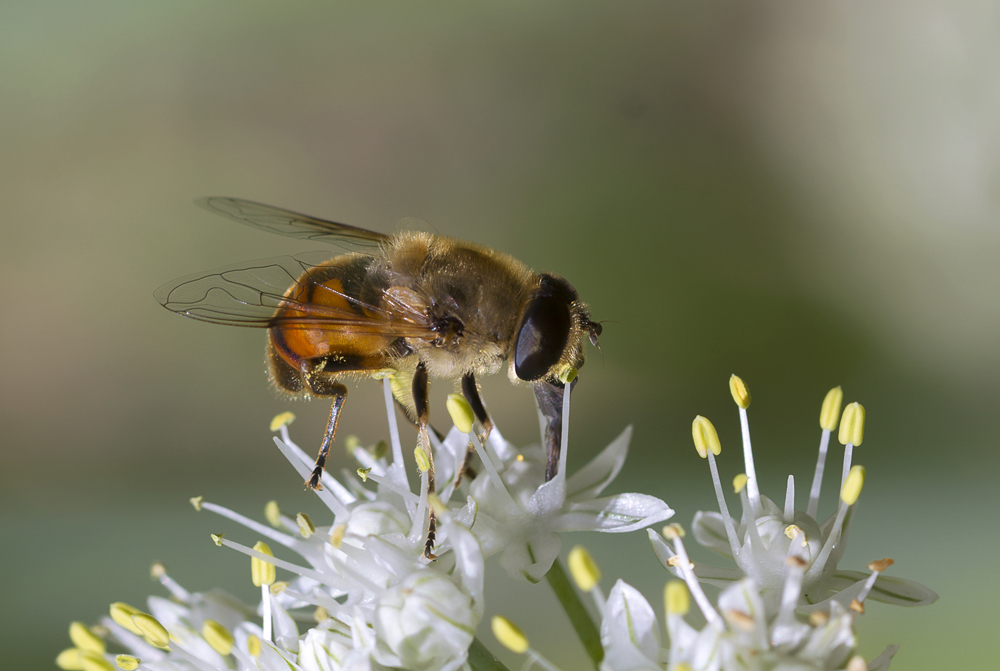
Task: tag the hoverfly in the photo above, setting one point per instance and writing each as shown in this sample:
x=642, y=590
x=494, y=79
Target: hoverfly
x=409, y=306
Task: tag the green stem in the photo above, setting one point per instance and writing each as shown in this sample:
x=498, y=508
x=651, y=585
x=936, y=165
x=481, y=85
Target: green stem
x=578, y=616
x=481, y=659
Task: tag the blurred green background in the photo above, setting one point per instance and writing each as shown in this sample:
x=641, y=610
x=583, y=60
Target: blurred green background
x=805, y=194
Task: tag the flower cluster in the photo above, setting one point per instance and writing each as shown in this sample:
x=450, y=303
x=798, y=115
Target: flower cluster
x=785, y=606
x=362, y=595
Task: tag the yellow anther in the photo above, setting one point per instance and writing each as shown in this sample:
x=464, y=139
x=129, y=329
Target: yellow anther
x=380, y=449
x=218, y=637
x=852, y=424
x=739, y=482
x=795, y=561
x=509, y=634
x=157, y=570
x=857, y=663
x=568, y=374
x=217, y=539
x=436, y=504
x=122, y=614
x=583, y=568
x=793, y=530
x=738, y=388
x=272, y=513
x=461, y=412
x=352, y=443
x=278, y=587
x=739, y=620
x=91, y=661
x=363, y=473
x=682, y=666
x=676, y=598
x=337, y=535
x=880, y=564
x=282, y=419
x=705, y=437
x=85, y=639
x=151, y=629
x=851, y=490
x=857, y=607
x=70, y=659
x=321, y=614
x=196, y=502
x=830, y=412
x=306, y=526
x=673, y=531
x=818, y=618
x=253, y=645
x=127, y=662
x=423, y=463
x=675, y=562
x=262, y=572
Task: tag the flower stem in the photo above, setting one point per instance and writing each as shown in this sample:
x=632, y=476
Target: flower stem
x=575, y=611
x=481, y=659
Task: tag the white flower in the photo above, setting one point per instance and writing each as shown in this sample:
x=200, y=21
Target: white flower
x=520, y=515
x=766, y=534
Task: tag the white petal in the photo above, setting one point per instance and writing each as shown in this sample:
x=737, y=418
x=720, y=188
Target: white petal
x=881, y=663
x=530, y=559
x=709, y=530
x=887, y=589
x=630, y=633
x=614, y=514
x=590, y=481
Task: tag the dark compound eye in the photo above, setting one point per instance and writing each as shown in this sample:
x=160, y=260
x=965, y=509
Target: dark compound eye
x=544, y=329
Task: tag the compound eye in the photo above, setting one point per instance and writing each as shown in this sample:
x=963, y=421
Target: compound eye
x=542, y=338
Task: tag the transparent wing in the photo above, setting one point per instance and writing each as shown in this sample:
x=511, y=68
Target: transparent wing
x=294, y=224
x=252, y=293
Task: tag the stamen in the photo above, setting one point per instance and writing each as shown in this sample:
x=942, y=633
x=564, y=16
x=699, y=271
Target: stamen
x=127, y=662
x=817, y=483
x=491, y=470
x=875, y=567
x=302, y=459
x=159, y=572
x=789, y=513
x=263, y=530
x=408, y=496
x=85, y=639
x=564, y=448
x=280, y=563
x=305, y=471
x=586, y=574
x=397, y=446
x=676, y=598
x=852, y=430
x=828, y=416
x=753, y=492
x=217, y=636
x=674, y=532
x=151, y=629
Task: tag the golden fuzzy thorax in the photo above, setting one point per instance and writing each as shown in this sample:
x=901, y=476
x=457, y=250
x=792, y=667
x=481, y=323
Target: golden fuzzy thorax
x=483, y=289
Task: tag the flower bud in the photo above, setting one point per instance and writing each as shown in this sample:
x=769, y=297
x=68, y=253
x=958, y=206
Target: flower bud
x=426, y=620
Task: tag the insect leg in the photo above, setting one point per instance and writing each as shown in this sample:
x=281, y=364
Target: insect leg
x=422, y=407
x=549, y=396
x=339, y=393
x=471, y=392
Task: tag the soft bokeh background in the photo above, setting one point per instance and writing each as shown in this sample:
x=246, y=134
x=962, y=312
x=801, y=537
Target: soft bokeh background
x=802, y=193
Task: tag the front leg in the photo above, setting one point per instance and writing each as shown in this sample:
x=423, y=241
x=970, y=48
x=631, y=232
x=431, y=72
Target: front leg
x=422, y=408
x=471, y=392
